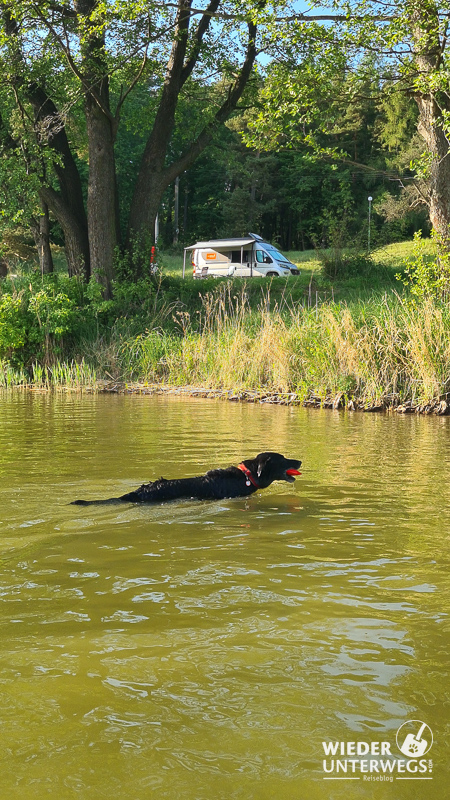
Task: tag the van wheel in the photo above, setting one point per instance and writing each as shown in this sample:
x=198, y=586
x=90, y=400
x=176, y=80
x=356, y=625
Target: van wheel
x=272, y=274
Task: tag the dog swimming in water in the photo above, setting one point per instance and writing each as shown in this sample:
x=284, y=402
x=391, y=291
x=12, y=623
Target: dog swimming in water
x=241, y=481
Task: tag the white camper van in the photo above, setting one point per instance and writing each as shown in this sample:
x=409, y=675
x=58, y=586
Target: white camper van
x=247, y=257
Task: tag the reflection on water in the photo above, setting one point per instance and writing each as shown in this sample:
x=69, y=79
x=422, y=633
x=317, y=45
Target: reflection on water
x=206, y=649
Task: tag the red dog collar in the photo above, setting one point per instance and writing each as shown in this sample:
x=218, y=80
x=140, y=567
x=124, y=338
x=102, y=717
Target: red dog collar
x=248, y=475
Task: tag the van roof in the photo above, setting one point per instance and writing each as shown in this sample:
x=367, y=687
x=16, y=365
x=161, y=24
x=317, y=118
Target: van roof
x=217, y=243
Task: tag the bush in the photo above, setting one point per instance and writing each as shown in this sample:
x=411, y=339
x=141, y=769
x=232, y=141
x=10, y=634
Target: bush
x=13, y=326
x=42, y=318
x=426, y=276
x=340, y=264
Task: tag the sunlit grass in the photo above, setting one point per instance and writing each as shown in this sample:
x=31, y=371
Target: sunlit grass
x=61, y=375
x=395, y=254
x=172, y=263
x=391, y=255
x=384, y=351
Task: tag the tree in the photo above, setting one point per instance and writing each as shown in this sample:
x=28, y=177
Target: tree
x=410, y=39
x=62, y=60
x=19, y=197
x=34, y=126
x=70, y=70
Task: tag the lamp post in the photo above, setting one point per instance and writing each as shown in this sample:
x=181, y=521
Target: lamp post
x=370, y=214
x=176, y=229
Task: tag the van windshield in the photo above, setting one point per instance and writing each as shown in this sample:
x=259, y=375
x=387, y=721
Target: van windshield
x=276, y=253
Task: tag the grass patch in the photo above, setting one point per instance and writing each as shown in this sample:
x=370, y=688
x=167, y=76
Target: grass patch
x=394, y=255
x=361, y=278
x=382, y=352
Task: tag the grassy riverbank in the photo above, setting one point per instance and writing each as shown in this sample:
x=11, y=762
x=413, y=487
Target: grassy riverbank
x=305, y=339
x=377, y=353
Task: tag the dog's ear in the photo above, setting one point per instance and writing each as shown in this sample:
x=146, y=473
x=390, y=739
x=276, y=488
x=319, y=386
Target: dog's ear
x=262, y=462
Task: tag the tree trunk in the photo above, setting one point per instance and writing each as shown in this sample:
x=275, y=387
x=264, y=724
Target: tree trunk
x=430, y=128
x=75, y=238
x=41, y=233
x=102, y=205
x=101, y=128
x=152, y=180
x=428, y=57
x=50, y=130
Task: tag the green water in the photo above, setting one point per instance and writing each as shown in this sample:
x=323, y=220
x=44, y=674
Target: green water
x=203, y=650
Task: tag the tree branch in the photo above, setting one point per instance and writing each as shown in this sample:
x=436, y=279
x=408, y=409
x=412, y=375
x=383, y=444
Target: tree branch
x=89, y=88
x=124, y=95
x=64, y=10
x=293, y=18
x=235, y=92
x=203, y=26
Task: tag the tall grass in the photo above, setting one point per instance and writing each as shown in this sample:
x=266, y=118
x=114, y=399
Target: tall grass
x=383, y=351
x=61, y=375
x=10, y=376
x=64, y=376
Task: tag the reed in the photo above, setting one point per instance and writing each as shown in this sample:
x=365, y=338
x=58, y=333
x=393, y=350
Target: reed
x=11, y=376
x=383, y=351
x=61, y=375
x=386, y=350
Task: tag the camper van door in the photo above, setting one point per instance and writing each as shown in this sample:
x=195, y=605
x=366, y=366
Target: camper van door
x=241, y=262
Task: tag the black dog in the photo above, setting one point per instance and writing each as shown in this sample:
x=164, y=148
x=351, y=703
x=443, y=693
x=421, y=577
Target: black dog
x=240, y=481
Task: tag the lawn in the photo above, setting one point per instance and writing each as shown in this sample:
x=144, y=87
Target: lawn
x=390, y=255
x=173, y=262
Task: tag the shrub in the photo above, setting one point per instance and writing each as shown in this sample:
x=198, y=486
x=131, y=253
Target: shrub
x=339, y=264
x=13, y=326
x=426, y=276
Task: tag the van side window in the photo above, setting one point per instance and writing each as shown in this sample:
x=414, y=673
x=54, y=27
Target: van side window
x=236, y=257
x=260, y=255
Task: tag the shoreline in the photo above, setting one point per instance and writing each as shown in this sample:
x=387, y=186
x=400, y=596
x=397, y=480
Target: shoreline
x=437, y=407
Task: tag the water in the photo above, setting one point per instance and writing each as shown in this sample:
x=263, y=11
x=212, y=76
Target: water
x=201, y=650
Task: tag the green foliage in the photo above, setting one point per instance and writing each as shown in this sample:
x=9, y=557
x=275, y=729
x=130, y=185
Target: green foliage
x=46, y=319
x=341, y=263
x=54, y=318
x=54, y=311
x=428, y=276
x=13, y=329
x=338, y=264
x=325, y=124
x=397, y=121
x=258, y=335
x=42, y=318
x=343, y=150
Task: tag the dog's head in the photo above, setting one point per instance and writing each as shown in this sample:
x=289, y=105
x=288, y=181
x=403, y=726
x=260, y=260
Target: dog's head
x=269, y=467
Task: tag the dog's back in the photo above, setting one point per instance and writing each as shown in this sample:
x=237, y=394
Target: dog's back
x=216, y=484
